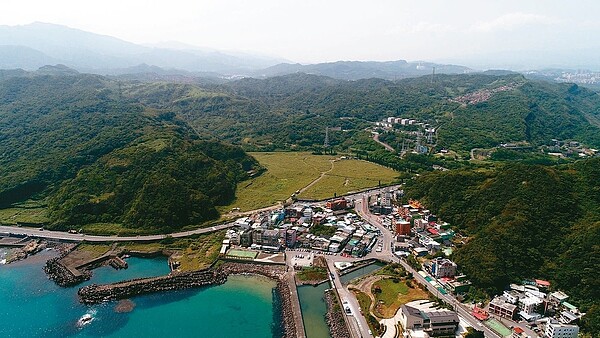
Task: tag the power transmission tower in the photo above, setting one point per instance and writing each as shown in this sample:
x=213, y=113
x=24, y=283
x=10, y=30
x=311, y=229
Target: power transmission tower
x=326, y=143
x=430, y=132
x=418, y=143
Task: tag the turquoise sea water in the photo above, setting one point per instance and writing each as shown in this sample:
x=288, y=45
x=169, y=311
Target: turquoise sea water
x=33, y=306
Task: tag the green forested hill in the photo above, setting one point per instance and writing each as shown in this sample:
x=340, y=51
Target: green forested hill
x=536, y=112
x=525, y=221
x=299, y=106
x=98, y=157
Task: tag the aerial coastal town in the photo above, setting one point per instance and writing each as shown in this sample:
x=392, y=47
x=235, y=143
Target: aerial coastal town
x=316, y=242
x=375, y=226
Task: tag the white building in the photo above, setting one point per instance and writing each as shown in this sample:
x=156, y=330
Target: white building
x=530, y=304
x=512, y=296
x=558, y=297
x=556, y=330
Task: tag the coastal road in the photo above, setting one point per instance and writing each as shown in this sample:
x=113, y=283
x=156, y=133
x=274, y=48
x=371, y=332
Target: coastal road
x=65, y=236
x=361, y=206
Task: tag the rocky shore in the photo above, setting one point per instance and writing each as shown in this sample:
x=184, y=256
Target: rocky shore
x=335, y=317
x=31, y=248
x=94, y=293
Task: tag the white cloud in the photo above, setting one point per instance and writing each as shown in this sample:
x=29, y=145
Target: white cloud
x=512, y=21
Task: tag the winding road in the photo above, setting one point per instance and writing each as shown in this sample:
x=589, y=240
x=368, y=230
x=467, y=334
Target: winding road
x=385, y=145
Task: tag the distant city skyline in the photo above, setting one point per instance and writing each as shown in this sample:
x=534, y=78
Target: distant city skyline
x=316, y=31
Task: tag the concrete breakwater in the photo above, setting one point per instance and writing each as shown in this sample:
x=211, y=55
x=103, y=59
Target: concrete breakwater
x=335, y=316
x=94, y=293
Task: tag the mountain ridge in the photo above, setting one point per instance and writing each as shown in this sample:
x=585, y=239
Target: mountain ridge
x=40, y=44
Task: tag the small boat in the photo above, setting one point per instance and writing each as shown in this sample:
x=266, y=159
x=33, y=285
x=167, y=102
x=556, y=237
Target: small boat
x=84, y=320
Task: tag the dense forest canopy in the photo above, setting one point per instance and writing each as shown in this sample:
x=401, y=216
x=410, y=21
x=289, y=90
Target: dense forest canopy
x=524, y=221
x=100, y=157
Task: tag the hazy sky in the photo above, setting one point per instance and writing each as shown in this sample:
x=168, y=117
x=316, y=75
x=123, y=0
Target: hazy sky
x=324, y=30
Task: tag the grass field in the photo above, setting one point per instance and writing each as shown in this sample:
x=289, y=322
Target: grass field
x=291, y=171
x=286, y=173
x=393, y=295
x=312, y=274
x=193, y=253
x=348, y=176
x=27, y=215
x=197, y=253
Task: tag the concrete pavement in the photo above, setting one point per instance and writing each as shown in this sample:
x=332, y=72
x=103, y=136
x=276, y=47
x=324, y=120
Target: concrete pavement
x=291, y=280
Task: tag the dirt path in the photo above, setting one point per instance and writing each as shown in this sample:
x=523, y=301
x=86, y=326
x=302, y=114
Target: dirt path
x=323, y=173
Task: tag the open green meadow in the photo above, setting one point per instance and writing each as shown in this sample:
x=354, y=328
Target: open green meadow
x=288, y=172
x=30, y=211
x=348, y=176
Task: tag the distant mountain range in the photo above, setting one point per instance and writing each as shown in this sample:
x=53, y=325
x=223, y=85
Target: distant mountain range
x=354, y=70
x=38, y=44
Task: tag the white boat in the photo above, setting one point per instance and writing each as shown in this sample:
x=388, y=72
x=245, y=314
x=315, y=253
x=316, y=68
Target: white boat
x=84, y=320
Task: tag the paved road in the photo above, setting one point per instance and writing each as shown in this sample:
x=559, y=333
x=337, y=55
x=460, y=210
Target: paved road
x=65, y=236
x=362, y=209
x=385, y=145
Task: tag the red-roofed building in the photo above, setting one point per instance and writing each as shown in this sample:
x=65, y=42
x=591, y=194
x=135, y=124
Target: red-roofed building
x=433, y=231
x=542, y=283
x=338, y=204
x=479, y=313
x=402, y=227
x=518, y=333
